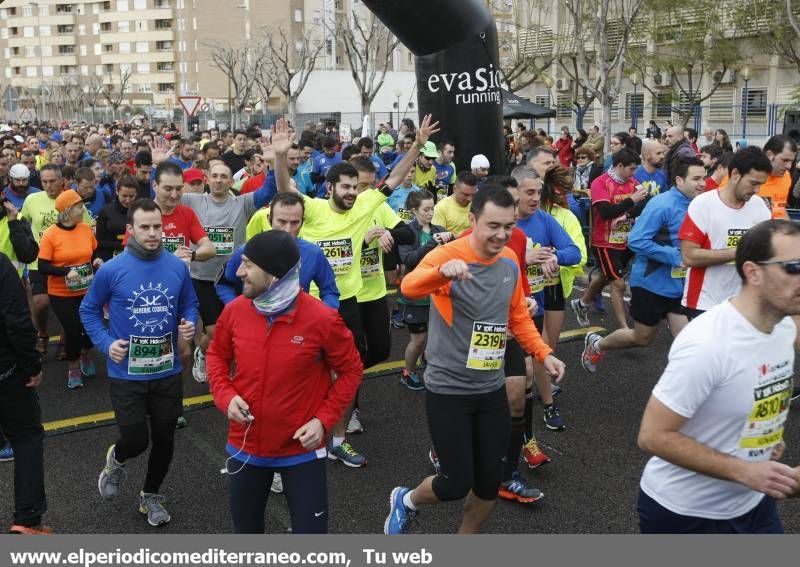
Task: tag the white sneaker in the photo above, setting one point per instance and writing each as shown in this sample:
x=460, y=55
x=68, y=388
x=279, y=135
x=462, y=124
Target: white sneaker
x=199, y=367
x=277, y=484
x=354, y=425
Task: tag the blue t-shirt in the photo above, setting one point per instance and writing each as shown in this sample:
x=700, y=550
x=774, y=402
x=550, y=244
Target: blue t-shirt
x=15, y=199
x=322, y=164
x=146, y=301
x=655, y=182
x=184, y=165
x=397, y=201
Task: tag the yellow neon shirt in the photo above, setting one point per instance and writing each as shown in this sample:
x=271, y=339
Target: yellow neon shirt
x=423, y=178
x=452, y=216
x=341, y=235
x=373, y=281
x=258, y=223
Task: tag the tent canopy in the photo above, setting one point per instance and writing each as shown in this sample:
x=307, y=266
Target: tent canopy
x=517, y=107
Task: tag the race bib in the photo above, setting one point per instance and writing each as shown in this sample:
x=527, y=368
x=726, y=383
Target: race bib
x=85, y=275
x=339, y=254
x=764, y=425
x=619, y=233
x=555, y=280
x=678, y=272
x=222, y=239
x=172, y=243
x=150, y=355
x=535, y=278
x=735, y=236
x=487, y=346
x=405, y=214
x=370, y=262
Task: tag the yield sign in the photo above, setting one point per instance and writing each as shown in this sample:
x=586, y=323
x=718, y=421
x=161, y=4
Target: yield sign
x=190, y=104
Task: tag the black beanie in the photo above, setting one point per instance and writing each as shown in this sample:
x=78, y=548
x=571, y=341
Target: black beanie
x=274, y=251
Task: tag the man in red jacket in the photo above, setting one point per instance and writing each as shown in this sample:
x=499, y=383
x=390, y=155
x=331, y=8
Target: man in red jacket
x=280, y=400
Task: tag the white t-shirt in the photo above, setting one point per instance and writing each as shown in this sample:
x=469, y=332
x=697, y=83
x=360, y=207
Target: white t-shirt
x=713, y=225
x=734, y=384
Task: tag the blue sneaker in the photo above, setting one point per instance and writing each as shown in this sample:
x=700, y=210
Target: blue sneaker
x=87, y=366
x=347, y=455
x=399, y=519
x=397, y=320
x=411, y=381
x=552, y=419
x=6, y=453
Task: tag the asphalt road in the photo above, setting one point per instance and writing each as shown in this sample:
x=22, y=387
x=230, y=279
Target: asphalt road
x=590, y=487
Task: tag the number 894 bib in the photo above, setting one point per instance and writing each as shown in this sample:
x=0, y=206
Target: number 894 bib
x=150, y=355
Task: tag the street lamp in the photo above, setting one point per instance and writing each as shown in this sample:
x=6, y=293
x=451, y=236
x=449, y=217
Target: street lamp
x=745, y=102
x=634, y=120
x=35, y=6
x=397, y=94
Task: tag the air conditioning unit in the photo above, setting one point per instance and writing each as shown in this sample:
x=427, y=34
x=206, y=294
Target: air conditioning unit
x=563, y=84
x=723, y=77
x=661, y=80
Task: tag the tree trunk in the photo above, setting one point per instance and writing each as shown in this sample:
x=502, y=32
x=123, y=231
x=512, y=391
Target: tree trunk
x=365, y=107
x=293, y=110
x=605, y=124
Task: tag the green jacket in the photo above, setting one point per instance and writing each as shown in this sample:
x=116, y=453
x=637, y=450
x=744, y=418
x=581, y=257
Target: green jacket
x=17, y=242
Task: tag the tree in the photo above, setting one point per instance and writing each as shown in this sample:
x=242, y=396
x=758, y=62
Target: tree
x=691, y=46
x=606, y=27
x=292, y=63
x=114, y=91
x=92, y=87
x=263, y=73
x=368, y=46
x=775, y=25
x=238, y=66
x=582, y=98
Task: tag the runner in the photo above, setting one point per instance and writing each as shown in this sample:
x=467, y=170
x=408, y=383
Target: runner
x=452, y=212
x=19, y=187
x=445, y=169
x=466, y=402
x=151, y=302
x=66, y=258
x=424, y=172
x=20, y=414
x=715, y=223
x=480, y=166
x=322, y=164
x=614, y=199
x=339, y=226
x=93, y=199
x=113, y=218
x=716, y=418
x=649, y=174
x=285, y=345
x=781, y=151
x=658, y=272
x=415, y=313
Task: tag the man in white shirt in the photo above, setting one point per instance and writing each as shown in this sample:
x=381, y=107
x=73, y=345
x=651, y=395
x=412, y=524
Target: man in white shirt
x=715, y=223
x=716, y=418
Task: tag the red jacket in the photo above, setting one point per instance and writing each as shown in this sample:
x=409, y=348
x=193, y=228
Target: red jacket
x=565, y=151
x=282, y=371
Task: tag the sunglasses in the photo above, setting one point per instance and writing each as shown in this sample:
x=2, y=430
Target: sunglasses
x=791, y=267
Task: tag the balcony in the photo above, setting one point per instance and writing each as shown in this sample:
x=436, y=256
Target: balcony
x=163, y=24
x=166, y=88
x=63, y=9
x=166, y=67
x=65, y=30
x=162, y=4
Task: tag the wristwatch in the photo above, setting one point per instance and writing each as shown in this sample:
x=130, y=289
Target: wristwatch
x=194, y=255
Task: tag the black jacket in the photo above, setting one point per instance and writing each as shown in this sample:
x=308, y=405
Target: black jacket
x=17, y=334
x=110, y=229
x=412, y=254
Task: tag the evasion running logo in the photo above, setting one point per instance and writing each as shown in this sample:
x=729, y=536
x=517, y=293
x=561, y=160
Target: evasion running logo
x=481, y=85
x=150, y=307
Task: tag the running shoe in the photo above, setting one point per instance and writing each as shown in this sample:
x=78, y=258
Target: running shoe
x=181, y=423
x=111, y=476
x=277, y=484
x=397, y=320
x=87, y=366
x=592, y=356
x=347, y=455
x=400, y=516
x=581, y=312
x=41, y=529
x=533, y=455
x=199, y=366
x=152, y=505
x=555, y=389
x=74, y=379
x=354, y=425
x=411, y=381
x=517, y=488
x=552, y=419
x=422, y=361
x=434, y=459
x=6, y=453
x=41, y=344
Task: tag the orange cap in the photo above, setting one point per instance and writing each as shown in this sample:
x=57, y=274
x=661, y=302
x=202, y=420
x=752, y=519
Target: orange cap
x=67, y=199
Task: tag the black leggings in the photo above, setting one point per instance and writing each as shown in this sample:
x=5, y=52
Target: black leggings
x=375, y=322
x=306, y=489
x=470, y=436
x=133, y=442
x=66, y=310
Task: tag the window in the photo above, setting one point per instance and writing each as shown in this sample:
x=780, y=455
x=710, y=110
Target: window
x=13, y=31
x=30, y=71
x=27, y=31
x=316, y=17
x=7, y=52
x=756, y=102
x=298, y=16
x=17, y=71
x=663, y=103
x=109, y=67
x=124, y=27
x=564, y=106
x=68, y=69
x=141, y=25
x=30, y=51
x=47, y=51
x=98, y=69
x=65, y=29
x=166, y=87
x=105, y=27
x=95, y=8
x=143, y=67
x=125, y=68
x=27, y=11
x=298, y=45
x=328, y=47
x=163, y=46
x=84, y=50
x=629, y=102
x=108, y=48
x=141, y=4
x=164, y=67
x=82, y=29
x=84, y=70
x=15, y=51
x=63, y=8
x=81, y=11
x=106, y=7
x=124, y=47
x=97, y=49
x=8, y=72
x=47, y=71
x=144, y=88
x=142, y=47
x=163, y=24
x=44, y=10
x=122, y=5
x=66, y=50
x=95, y=27
x=194, y=24
x=3, y=33
x=44, y=31
x=3, y=13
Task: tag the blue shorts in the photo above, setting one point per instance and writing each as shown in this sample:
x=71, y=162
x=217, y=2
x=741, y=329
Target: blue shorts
x=655, y=519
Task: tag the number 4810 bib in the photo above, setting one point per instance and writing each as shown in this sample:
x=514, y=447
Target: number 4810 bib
x=487, y=346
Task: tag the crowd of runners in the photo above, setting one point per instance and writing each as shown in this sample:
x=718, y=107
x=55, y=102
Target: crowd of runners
x=260, y=262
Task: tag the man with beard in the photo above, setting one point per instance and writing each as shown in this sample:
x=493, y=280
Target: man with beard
x=322, y=164
x=445, y=169
x=649, y=174
x=425, y=173
x=19, y=187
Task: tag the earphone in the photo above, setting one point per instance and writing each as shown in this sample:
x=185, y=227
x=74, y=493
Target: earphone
x=225, y=470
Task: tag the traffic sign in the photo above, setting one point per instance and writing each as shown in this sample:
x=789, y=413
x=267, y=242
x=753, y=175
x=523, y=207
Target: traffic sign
x=248, y=109
x=190, y=104
x=205, y=107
